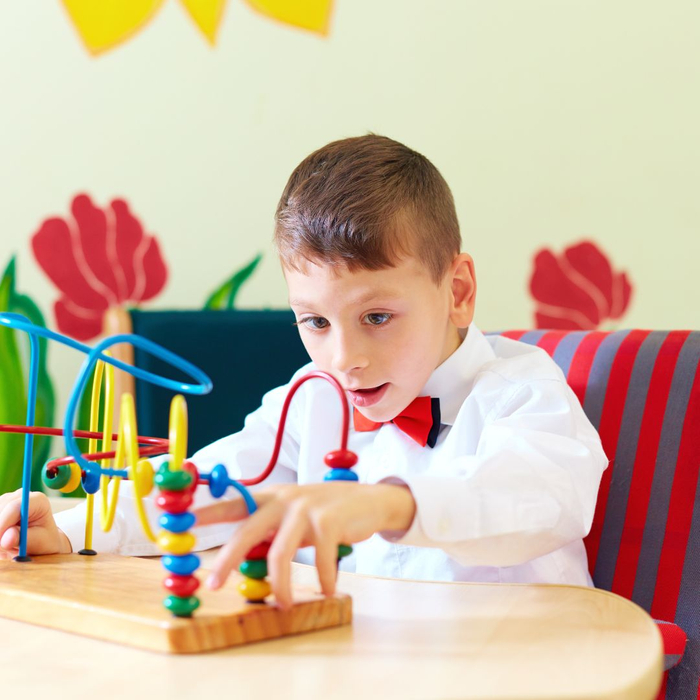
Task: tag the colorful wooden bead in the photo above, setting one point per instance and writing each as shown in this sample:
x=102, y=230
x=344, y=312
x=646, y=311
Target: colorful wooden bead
x=341, y=475
x=176, y=522
x=259, y=551
x=176, y=543
x=91, y=480
x=168, y=480
x=191, y=469
x=344, y=550
x=253, y=590
x=343, y=459
x=74, y=480
x=174, y=501
x=254, y=568
x=218, y=481
x=181, y=586
x=181, y=565
x=142, y=476
x=56, y=477
x=181, y=607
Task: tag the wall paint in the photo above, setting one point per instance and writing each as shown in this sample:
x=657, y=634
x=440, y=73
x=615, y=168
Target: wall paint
x=553, y=121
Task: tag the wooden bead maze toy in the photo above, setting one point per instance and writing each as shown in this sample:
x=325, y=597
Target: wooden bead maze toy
x=117, y=598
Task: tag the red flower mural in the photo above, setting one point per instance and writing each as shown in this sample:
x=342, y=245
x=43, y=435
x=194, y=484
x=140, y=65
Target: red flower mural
x=98, y=259
x=577, y=289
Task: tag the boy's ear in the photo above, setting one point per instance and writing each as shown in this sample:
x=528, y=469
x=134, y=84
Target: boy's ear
x=463, y=290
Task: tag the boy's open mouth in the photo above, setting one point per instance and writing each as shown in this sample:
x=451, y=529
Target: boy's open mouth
x=367, y=397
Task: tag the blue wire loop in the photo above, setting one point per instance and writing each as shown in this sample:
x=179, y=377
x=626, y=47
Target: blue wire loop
x=202, y=385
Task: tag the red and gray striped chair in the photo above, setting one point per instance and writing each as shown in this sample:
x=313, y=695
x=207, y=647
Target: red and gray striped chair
x=641, y=389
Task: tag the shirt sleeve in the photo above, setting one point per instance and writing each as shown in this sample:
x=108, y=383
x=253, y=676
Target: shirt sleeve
x=529, y=488
x=245, y=455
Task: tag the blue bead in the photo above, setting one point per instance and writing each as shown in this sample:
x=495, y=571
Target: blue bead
x=341, y=475
x=176, y=522
x=218, y=481
x=181, y=565
x=91, y=480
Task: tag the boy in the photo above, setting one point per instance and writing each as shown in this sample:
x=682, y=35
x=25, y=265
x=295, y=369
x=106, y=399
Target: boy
x=498, y=483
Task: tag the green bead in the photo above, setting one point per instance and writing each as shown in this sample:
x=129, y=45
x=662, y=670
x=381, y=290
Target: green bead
x=169, y=480
x=344, y=550
x=58, y=481
x=254, y=568
x=181, y=607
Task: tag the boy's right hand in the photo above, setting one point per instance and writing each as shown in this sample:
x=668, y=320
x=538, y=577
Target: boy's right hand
x=43, y=535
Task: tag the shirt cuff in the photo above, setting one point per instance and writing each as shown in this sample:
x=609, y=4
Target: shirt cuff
x=414, y=536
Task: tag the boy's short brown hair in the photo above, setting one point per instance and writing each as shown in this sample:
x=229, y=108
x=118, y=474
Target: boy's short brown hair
x=366, y=202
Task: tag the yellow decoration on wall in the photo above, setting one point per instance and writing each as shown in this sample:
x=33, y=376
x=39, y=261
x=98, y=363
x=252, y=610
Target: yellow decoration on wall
x=207, y=15
x=313, y=15
x=105, y=24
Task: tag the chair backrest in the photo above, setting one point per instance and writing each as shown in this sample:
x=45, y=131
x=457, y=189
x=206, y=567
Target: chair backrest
x=246, y=353
x=641, y=390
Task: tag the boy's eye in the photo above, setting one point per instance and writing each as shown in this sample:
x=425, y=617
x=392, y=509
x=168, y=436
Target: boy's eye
x=316, y=323
x=378, y=319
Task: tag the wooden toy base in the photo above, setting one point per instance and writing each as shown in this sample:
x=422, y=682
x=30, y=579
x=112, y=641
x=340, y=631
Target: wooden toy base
x=119, y=599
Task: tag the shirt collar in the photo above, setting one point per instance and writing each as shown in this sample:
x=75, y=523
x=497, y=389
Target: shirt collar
x=452, y=381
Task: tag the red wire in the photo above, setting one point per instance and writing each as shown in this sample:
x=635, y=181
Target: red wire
x=159, y=445
x=283, y=419
x=58, y=432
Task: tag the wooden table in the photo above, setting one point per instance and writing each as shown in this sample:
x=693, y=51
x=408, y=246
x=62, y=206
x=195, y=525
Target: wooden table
x=408, y=640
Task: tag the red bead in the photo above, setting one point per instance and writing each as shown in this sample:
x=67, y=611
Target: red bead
x=340, y=459
x=174, y=501
x=191, y=469
x=259, y=551
x=181, y=586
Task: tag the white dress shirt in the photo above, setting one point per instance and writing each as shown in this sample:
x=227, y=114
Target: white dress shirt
x=506, y=495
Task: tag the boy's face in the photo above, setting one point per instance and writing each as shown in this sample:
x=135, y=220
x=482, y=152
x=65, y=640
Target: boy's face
x=381, y=333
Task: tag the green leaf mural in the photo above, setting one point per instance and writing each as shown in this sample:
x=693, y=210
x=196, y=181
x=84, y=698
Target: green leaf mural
x=14, y=369
x=224, y=296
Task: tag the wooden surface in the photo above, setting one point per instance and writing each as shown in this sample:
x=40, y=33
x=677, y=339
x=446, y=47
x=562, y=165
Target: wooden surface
x=407, y=640
x=119, y=599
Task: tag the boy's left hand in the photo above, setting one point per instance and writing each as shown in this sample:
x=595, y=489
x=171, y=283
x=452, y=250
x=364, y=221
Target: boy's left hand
x=323, y=515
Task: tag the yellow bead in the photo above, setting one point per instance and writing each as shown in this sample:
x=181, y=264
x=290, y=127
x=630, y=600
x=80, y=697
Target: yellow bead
x=254, y=590
x=74, y=480
x=176, y=542
x=142, y=476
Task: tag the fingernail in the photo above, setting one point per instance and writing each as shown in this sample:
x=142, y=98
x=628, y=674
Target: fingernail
x=213, y=582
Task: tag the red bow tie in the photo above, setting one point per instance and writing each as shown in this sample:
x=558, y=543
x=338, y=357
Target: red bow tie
x=420, y=420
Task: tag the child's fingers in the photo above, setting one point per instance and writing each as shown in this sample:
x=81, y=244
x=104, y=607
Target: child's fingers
x=9, y=515
x=279, y=559
x=327, y=564
x=11, y=496
x=38, y=541
x=9, y=540
x=221, y=512
x=251, y=532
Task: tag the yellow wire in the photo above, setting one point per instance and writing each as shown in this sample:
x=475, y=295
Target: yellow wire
x=127, y=448
x=92, y=444
x=177, y=432
x=108, y=509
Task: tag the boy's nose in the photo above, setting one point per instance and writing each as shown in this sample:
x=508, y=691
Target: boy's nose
x=349, y=356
